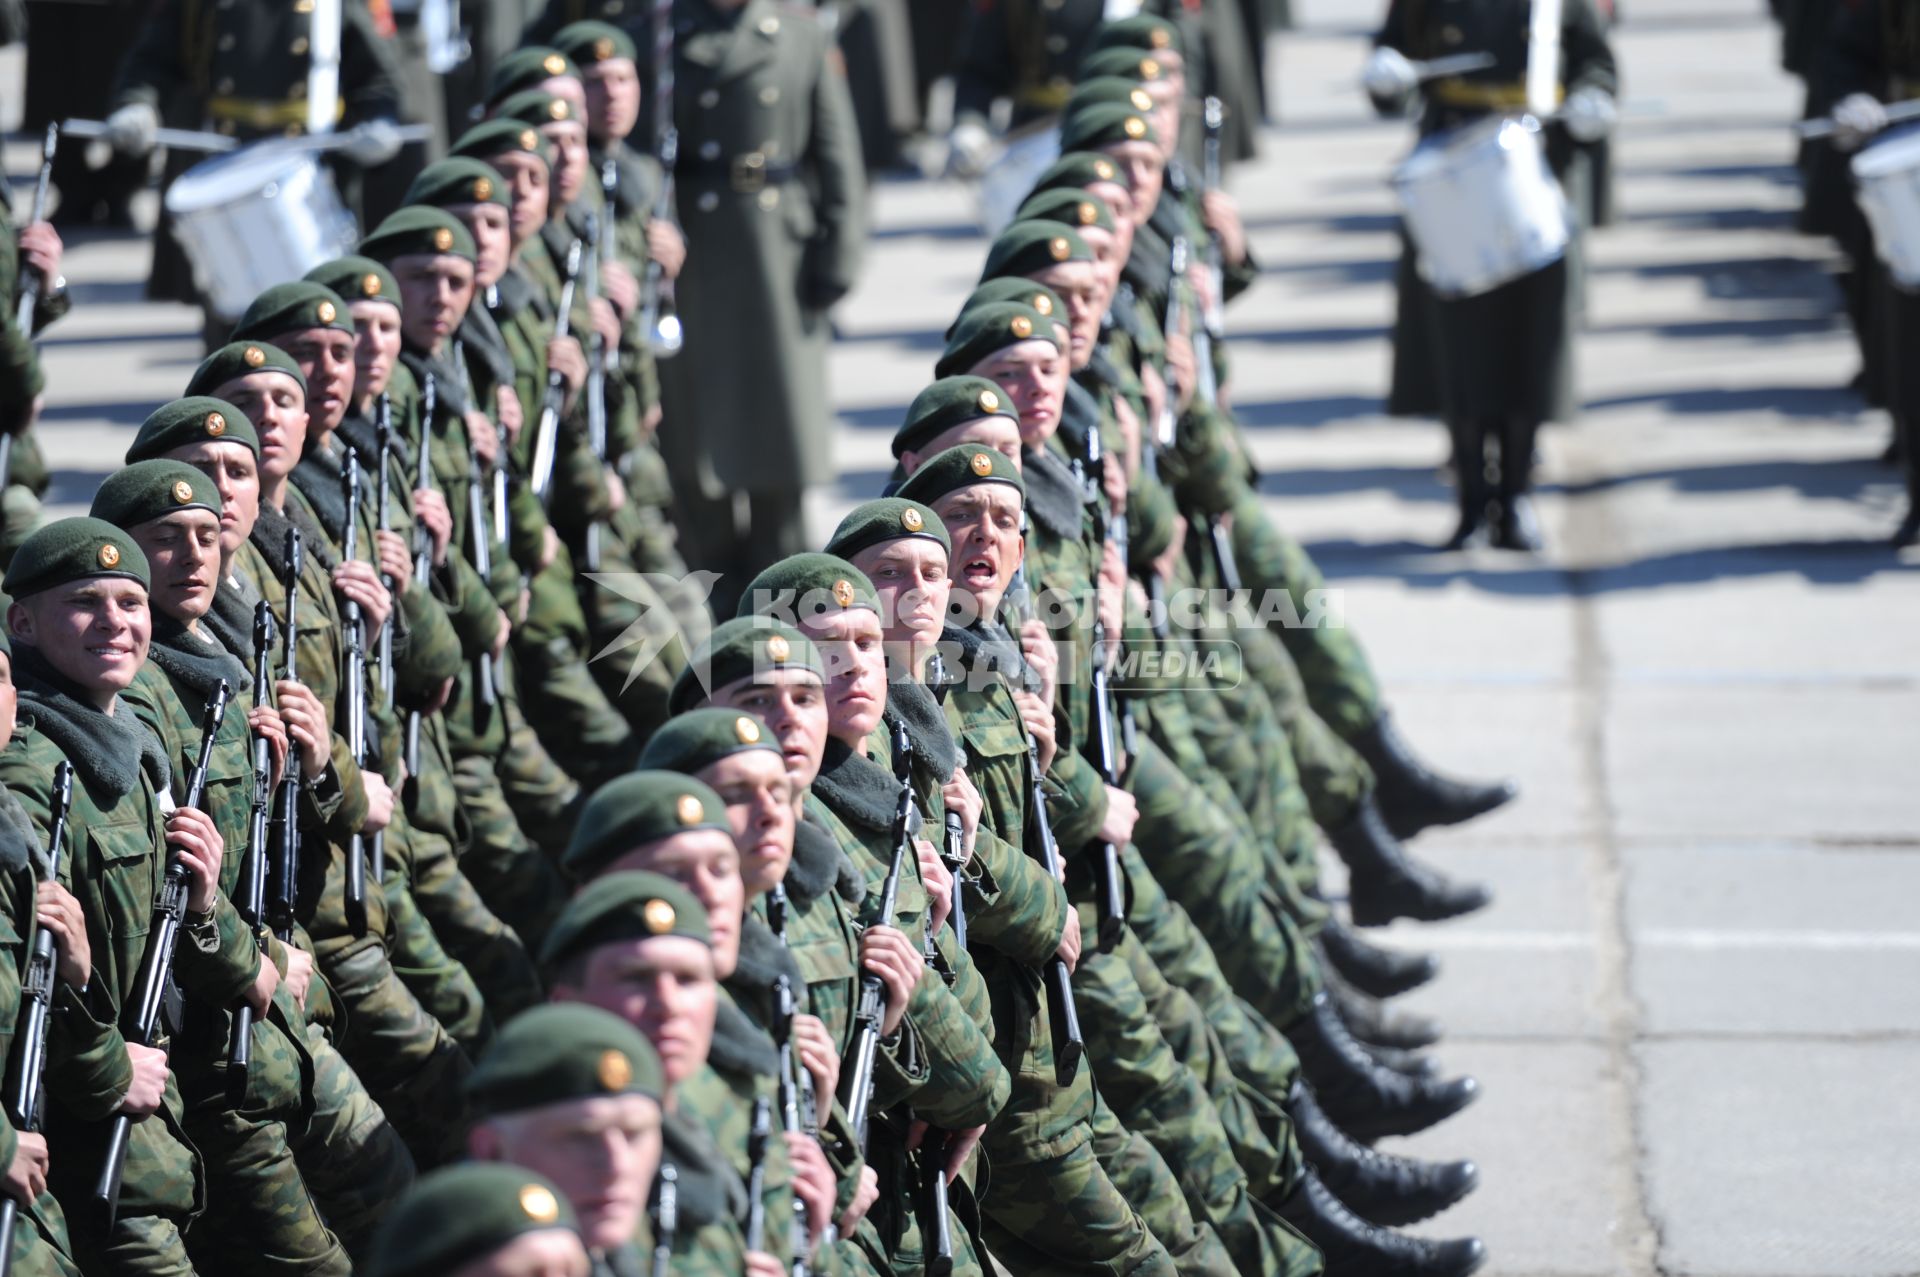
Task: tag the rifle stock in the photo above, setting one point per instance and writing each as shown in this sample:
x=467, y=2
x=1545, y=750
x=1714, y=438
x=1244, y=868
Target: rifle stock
x=253, y=891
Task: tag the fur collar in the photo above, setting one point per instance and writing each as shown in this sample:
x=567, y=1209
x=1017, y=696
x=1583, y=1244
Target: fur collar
x=197, y=662
x=107, y=750
x=857, y=789
x=708, y=1190
x=934, y=753
x=816, y=864
x=763, y=959
x=740, y=1047
x=1054, y=496
x=20, y=842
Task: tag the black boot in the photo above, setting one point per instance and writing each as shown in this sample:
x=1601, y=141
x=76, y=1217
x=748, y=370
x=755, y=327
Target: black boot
x=1412, y=795
x=1366, y=1098
x=1518, y=527
x=1370, y=968
x=1377, y=1024
x=1355, y=1248
x=1469, y=485
x=1385, y=883
x=1383, y=1188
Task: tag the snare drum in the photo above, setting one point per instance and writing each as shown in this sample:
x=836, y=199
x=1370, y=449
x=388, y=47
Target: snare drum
x=256, y=217
x=1482, y=206
x=1888, y=178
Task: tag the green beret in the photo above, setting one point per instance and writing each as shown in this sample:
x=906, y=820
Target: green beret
x=887, y=519
x=636, y=809
x=195, y=419
x=1124, y=61
x=460, y=180
x=73, y=550
x=1109, y=90
x=1075, y=208
x=503, y=137
x=419, y=229
x=737, y=649
x=291, y=308
x=1105, y=124
x=689, y=742
x=1079, y=170
x=631, y=905
x=1029, y=247
x=558, y=1052
x=240, y=359
x=525, y=69
x=1142, y=31
x=148, y=490
x=806, y=586
x=1011, y=288
x=454, y=1216
x=949, y=402
x=536, y=107
x=958, y=468
x=590, y=42
x=358, y=279
x=989, y=329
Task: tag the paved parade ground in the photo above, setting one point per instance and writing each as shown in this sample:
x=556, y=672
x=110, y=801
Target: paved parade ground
x=1695, y=1004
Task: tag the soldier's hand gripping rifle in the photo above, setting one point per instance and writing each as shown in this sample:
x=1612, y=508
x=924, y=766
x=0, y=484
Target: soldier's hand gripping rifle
x=1108, y=880
x=36, y=994
x=383, y=435
x=666, y=1218
x=1063, y=1013
x=286, y=834
x=870, y=1011
x=253, y=873
x=29, y=282
x=423, y=545
x=353, y=676
x=546, y=435
x=789, y=1081
x=169, y=915
x=487, y=678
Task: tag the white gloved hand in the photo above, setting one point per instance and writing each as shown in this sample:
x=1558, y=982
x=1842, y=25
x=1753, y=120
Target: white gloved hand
x=969, y=148
x=1388, y=75
x=1857, y=117
x=373, y=143
x=131, y=129
x=1589, y=114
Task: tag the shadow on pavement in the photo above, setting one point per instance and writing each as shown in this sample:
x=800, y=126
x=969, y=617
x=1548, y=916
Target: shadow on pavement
x=1810, y=403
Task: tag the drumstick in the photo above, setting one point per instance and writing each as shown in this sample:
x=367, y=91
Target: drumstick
x=1897, y=113
x=184, y=139
x=1453, y=64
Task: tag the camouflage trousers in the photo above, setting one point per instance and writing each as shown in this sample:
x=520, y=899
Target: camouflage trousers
x=40, y=1244
x=569, y=711
x=473, y=935
x=1062, y=1215
x=1332, y=774
x=515, y=877
x=446, y=990
x=138, y=1246
x=353, y=1158
x=1141, y=1176
x=629, y=617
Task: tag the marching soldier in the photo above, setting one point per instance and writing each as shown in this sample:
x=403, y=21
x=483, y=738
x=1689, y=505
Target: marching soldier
x=482, y=1220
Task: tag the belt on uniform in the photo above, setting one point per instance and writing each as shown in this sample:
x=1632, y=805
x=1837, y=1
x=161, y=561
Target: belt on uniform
x=1051, y=96
x=748, y=173
x=1478, y=94
x=265, y=113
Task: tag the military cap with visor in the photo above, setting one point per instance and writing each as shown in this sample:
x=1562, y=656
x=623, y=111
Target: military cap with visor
x=527, y=68
x=459, y=1215
x=638, y=808
x=149, y=490
x=239, y=359
x=961, y=467
x=590, y=42
x=419, y=230
x=634, y=904
x=292, y=307
x=691, y=742
x=950, y=402
x=492, y=138
x=744, y=647
x=358, y=279
x=1105, y=124
x=559, y=1052
x=887, y=519
x=195, y=419
x=1028, y=247
x=807, y=587
x=69, y=550
x=459, y=180
x=988, y=330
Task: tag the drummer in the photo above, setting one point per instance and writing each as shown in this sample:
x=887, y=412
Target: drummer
x=1496, y=365
x=249, y=73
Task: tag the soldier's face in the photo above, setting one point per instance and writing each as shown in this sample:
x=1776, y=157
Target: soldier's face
x=984, y=522
x=759, y=796
x=1078, y=284
x=492, y=230
x=527, y=181
x=569, y=141
x=183, y=554
x=435, y=291
x=793, y=705
x=1166, y=113
x=94, y=631
x=376, y=345
x=551, y=1252
x=1146, y=168
x=600, y=1152
x=910, y=576
x=1002, y=434
x=1107, y=262
x=1034, y=376
x=613, y=98
x=9, y=700
x=236, y=476
x=664, y=987
x=854, y=652
x=277, y=407
x=705, y=862
x=325, y=356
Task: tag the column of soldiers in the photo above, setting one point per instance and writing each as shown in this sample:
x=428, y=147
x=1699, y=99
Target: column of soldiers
x=417, y=880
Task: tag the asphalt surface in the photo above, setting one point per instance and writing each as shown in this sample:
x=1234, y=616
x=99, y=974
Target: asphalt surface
x=1695, y=1004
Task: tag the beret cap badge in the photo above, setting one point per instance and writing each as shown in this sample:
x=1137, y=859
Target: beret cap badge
x=557, y=108
x=443, y=239
x=1150, y=68
x=482, y=188
x=843, y=592
x=109, y=555
x=325, y=311
x=1136, y=128
x=745, y=728
x=1103, y=169
x=614, y=1070
x=603, y=48
x=538, y=1202
x=1020, y=326
x=554, y=64
x=777, y=649
x=1059, y=249
x=910, y=519
x=370, y=286
x=1088, y=214
x=1043, y=303
x=529, y=140
x=254, y=356
x=989, y=402
x=216, y=424
x=1140, y=100
x=1158, y=39
x=689, y=810
x=982, y=464
x=659, y=917
x=182, y=491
